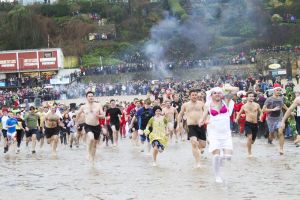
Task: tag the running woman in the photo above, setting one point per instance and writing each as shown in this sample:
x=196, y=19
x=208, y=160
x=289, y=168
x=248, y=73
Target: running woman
x=158, y=137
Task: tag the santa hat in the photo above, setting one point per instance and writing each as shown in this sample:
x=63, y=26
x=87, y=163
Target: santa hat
x=244, y=98
x=4, y=110
x=241, y=93
x=276, y=86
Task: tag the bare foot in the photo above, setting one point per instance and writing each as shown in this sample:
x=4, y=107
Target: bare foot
x=154, y=164
x=198, y=166
x=54, y=155
x=250, y=156
x=281, y=152
x=88, y=157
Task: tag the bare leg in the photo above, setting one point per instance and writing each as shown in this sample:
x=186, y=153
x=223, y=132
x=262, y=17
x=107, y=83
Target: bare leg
x=33, y=142
x=90, y=141
x=155, y=152
x=42, y=141
x=142, y=146
x=54, y=139
x=115, y=135
x=202, y=145
x=281, y=140
x=195, y=150
x=249, y=144
x=27, y=141
x=271, y=137
x=148, y=148
x=71, y=139
x=135, y=138
x=78, y=135
x=94, y=147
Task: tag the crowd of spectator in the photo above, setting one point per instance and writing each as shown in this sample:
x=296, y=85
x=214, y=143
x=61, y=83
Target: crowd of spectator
x=143, y=87
x=26, y=81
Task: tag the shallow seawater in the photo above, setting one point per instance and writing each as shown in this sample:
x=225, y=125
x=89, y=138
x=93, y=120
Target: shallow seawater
x=126, y=173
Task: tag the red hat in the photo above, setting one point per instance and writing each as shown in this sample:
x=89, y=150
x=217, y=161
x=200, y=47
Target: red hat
x=276, y=86
x=244, y=98
x=4, y=110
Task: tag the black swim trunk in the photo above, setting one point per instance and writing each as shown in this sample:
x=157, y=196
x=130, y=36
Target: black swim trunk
x=251, y=128
x=49, y=132
x=196, y=131
x=117, y=125
x=31, y=132
x=135, y=126
x=80, y=127
x=96, y=130
x=298, y=124
x=4, y=132
x=175, y=124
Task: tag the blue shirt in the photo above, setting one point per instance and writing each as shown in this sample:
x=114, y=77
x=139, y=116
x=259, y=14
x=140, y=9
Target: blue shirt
x=143, y=116
x=11, y=122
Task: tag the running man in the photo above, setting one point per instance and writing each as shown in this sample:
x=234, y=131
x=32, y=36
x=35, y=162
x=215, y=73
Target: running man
x=193, y=110
x=143, y=115
x=251, y=110
x=20, y=130
x=32, y=127
x=11, y=124
x=3, y=121
x=52, y=123
x=114, y=114
x=171, y=115
x=273, y=106
x=92, y=112
x=217, y=116
x=133, y=122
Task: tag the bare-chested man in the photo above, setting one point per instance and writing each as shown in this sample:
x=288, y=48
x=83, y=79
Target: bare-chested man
x=251, y=110
x=52, y=123
x=92, y=111
x=80, y=120
x=170, y=114
x=193, y=110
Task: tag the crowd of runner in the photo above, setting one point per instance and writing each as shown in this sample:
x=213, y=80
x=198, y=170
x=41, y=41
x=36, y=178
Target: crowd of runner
x=205, y=114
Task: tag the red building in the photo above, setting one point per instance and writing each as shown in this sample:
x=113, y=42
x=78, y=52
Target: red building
x=30, y=63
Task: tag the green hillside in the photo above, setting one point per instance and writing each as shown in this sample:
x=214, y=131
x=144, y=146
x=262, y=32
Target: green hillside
x=204, y=28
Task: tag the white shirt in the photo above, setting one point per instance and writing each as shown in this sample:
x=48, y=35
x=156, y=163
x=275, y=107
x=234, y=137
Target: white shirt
x=4, y=120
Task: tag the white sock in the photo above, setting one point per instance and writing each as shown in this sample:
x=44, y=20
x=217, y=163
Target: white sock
x=216, y=165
